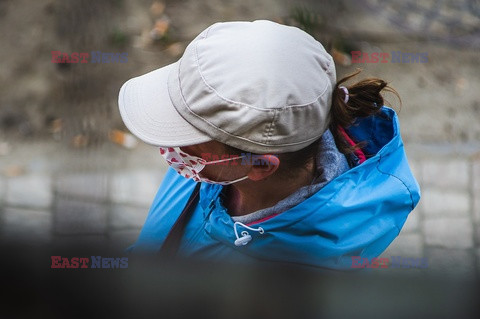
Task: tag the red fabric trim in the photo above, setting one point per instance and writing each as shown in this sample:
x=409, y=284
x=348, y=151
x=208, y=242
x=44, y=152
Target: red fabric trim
x=262, y=219
x=360, y=154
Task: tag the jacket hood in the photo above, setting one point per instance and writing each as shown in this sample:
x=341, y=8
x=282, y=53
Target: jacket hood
x=359, y=213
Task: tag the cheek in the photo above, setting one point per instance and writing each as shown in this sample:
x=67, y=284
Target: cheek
x=209, y=172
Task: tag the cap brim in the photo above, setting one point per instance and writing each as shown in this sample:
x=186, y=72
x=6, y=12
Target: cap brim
x=148, y=112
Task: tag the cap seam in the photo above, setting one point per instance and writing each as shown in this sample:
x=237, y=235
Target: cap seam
x=197, y=60
x=228, y=133
x=208, y=30
x=270, y=126
x=239, y=137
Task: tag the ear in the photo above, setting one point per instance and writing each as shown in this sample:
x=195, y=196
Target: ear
x=263, y=166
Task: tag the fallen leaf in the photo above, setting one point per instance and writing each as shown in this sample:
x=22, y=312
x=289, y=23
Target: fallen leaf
x=157, y=8
x=124, y=139
x=80, y=141
x=175, y=49
x=160, y=28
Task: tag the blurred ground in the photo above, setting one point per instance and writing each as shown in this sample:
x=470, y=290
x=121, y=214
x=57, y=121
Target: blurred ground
x=63, y=180
x=441, y=103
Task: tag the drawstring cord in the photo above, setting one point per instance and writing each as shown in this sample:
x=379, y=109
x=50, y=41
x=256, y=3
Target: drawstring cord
x=246, y=238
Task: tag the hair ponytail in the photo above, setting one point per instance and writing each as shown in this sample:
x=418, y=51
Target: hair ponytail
x=364, y=99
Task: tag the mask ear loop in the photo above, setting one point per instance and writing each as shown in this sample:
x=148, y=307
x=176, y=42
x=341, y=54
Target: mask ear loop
x=223, y=161
x=204, y=162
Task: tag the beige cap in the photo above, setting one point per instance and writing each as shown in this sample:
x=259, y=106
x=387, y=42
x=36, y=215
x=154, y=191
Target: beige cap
x=258, y=86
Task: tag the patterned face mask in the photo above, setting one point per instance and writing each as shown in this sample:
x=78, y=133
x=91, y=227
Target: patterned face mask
x=190, y=166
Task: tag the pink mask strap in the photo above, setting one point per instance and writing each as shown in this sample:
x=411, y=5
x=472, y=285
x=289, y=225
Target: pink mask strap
x=223, y=160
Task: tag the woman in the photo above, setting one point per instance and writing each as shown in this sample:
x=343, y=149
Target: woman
x=270, y=158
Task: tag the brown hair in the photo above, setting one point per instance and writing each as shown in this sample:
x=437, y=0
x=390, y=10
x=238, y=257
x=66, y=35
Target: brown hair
x=364, y=100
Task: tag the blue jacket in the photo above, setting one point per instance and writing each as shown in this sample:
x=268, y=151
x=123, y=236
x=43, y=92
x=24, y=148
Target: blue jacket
x=359, y=213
